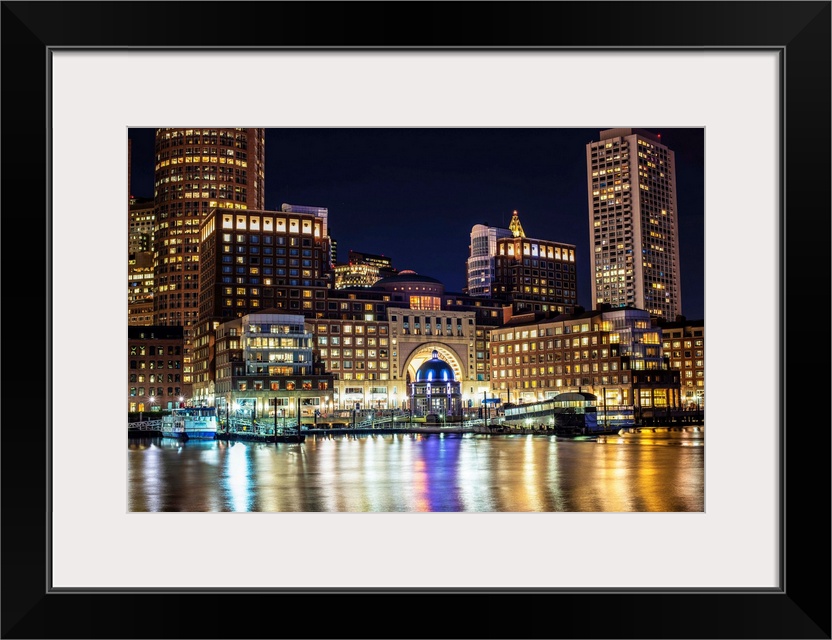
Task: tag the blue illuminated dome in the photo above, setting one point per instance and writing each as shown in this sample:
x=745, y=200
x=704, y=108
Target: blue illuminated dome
x=434, y=370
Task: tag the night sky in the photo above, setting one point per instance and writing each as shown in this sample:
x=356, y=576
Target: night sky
x=414, y=194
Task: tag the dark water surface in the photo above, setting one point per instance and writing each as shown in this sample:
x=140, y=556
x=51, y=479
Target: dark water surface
x=417, y=473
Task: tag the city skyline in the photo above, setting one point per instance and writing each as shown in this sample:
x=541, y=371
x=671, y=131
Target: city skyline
x=435, y=184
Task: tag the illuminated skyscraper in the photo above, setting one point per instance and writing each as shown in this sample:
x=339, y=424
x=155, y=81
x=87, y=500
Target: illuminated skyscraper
x=530, y=274
x=633, y=224
x=197, y=170
x=480, y=264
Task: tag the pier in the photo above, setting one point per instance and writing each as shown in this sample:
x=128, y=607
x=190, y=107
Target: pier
x=144, y=429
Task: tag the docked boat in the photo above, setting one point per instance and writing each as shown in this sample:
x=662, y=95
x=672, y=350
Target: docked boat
x=190, y=423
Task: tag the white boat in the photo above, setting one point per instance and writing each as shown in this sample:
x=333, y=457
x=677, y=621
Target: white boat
x=197, y=423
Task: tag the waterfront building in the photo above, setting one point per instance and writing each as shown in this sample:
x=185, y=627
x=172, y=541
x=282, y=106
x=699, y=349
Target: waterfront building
x=251, y=260
x=615, y=354
x=633, y=222
x=266, y=370
x=534, y=275
x=374, y=340
x=683, y=341
x=154, y=368
x=420, y=310
x=197, y=170
x=435, y=390
x=357, y=352
x=481, y=263
x=420, y=324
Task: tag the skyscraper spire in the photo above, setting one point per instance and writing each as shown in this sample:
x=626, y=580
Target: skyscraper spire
x=515, y=227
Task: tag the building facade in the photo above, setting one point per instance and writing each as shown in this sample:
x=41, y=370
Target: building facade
x=140, y=277
x=536, y=275
x=481, y=260
x=141, y=221
x=683, y=342
x=351, y=276
x=252, y=260
x=616, y=355
x=140, y=314
x=266, y=371
x=362, y=270
x=197, y=170
x=374, y=340
x=154, y=368
x=633, y=222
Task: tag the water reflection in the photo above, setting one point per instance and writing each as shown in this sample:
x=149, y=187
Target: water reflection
x=416, y=473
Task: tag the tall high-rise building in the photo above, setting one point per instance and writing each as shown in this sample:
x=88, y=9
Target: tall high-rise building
x=197, y=170
x=633, y=224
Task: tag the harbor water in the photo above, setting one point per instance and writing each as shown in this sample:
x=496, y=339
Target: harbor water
x=387, y=473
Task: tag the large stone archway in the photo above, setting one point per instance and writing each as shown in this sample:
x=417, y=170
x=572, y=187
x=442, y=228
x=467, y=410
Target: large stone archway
x=425, y=352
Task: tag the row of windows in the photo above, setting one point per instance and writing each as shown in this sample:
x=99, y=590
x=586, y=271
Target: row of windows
x=332, y=365
x=277, y=385
x=349, y=341
x=267, y=239
x=154, y=350
x=360, y=375
x=558, y=356
x=561, y=382
x=171, y=377
x=154, y=364
x=348, y=353
x=268, y=251
x=154, y=392
x=308, y=265
x=688, y=343
x=359, y=329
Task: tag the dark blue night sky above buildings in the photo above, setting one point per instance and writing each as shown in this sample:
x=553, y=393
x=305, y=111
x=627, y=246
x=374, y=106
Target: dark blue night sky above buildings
x=414, y=194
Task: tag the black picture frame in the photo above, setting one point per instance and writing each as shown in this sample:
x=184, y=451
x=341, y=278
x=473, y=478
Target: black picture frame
x=799, y=608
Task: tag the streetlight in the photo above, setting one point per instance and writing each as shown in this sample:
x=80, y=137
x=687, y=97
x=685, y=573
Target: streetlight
x=604, y=389
x=275, y=417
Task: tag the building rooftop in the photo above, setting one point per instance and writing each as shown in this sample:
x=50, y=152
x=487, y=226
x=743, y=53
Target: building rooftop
x=435, y=369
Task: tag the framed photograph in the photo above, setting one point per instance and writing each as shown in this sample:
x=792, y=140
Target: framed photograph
x=755, y=75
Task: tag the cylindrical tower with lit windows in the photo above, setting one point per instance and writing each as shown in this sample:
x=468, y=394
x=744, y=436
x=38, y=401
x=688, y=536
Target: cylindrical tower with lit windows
x=197, y=170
